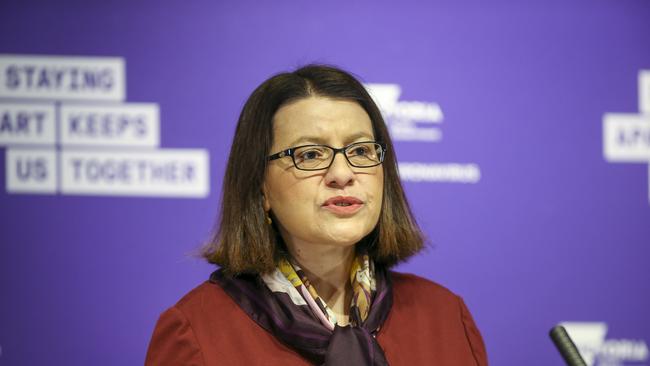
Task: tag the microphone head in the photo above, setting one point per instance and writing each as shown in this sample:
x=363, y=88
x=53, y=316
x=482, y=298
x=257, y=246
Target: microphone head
x=565, y=345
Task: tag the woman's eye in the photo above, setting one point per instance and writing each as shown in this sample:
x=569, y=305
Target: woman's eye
x=360, y=151
x=310, y=155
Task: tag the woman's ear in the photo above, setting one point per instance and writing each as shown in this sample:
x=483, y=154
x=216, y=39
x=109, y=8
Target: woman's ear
x=265, y=198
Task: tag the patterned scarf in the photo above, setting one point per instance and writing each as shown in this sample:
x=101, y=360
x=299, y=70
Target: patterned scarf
x=361, y=278
x=286, y=304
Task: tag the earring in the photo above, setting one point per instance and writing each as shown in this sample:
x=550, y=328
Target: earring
x=268, y=219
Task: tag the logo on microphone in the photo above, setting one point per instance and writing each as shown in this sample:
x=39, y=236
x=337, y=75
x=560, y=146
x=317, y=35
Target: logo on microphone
x=597, y=350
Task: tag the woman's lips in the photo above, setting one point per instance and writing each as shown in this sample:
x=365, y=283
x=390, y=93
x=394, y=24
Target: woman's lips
x=342, y=205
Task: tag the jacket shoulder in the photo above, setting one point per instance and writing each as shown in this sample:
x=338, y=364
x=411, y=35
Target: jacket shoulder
x=207, y=327
x=205, y=292
x=429, y=310
x=407, y=284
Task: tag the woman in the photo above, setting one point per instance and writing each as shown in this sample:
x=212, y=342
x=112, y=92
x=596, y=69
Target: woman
x=313, y=216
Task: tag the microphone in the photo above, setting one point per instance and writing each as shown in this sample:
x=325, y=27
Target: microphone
x=567, y=348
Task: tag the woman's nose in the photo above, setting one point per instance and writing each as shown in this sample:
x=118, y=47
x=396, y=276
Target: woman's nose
x=340, y=173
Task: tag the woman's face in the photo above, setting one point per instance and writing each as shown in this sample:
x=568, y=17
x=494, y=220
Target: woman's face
x=309, y=206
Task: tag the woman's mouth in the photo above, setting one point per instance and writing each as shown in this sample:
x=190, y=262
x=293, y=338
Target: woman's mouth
x=343, y=205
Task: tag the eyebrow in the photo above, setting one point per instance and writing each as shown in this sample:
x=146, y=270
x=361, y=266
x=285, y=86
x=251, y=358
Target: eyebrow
x=320, y=141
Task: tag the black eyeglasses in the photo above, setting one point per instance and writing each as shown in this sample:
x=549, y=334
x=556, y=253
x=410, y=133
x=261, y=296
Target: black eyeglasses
x=364, y=154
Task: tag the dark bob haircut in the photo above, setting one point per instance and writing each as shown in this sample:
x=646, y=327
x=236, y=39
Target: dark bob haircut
x=243, y=242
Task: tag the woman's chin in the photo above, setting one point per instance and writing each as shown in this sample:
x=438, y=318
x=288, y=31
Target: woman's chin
x=346, y=236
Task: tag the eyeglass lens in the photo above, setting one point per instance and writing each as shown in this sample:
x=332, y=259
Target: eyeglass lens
x=319, y=156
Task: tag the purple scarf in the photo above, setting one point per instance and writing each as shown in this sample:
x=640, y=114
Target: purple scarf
x=297, y=327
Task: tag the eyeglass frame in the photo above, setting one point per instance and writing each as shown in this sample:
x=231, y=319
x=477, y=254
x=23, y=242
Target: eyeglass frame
x=290, y=152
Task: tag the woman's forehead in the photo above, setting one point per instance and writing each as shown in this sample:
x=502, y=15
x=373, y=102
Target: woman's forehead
x=321, y=120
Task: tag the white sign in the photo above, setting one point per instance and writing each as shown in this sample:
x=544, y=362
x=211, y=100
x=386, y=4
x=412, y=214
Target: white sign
x=57, y=77
x=161, y=172
x=30, y=170
x=88, y=128
x=127, y=124
x=644, y=91
x=626, y=137
x=439, y=172
x=27, y=123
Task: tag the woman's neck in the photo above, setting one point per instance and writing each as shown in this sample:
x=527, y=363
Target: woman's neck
x=328, y=270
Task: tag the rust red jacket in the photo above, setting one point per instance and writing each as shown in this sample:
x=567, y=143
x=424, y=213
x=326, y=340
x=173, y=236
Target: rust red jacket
x=427, y=325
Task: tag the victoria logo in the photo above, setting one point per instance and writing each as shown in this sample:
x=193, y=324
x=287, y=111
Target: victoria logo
x=598, y=350
x=413, y=122
x=626, y=136
x=407, y=120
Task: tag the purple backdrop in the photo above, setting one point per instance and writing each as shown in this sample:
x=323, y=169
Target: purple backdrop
x=552, y=231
